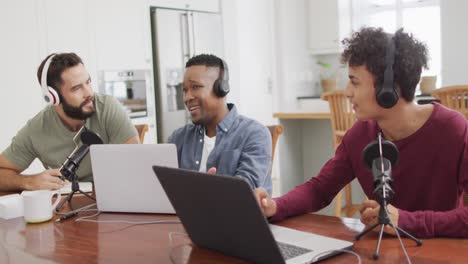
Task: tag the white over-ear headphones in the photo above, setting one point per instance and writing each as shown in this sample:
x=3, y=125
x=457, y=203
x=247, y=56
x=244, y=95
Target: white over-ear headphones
x=50, y=95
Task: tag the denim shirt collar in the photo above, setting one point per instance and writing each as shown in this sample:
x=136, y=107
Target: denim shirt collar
x=226, y=123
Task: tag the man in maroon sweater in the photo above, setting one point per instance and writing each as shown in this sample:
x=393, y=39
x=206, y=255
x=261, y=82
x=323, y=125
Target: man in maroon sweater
x=432, y=172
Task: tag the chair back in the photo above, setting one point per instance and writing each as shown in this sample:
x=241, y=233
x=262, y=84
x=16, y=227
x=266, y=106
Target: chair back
x=342, y=116
x=342, y=119
x=276, y=131
x=453, y=97
x=141, y=129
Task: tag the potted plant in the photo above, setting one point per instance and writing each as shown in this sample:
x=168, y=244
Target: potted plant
x=427, y=84
x=327, y=76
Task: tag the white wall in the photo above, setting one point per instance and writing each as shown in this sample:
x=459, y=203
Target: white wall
x=454, y=42
x=294, y=64
x=21, y=94
x=248, y=46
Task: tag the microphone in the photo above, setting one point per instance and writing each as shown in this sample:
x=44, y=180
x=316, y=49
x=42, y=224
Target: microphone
x=379, y=156
x=74, y=159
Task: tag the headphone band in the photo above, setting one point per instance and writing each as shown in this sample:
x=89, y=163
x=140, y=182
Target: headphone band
x=225, y=71
x=386, y=94
x=389, y=62
x=45, y=71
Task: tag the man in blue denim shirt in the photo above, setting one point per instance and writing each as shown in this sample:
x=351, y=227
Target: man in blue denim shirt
x=219, y=137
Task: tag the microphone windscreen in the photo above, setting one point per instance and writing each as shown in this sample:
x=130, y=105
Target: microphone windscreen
x=371, y=152
x=90, y=138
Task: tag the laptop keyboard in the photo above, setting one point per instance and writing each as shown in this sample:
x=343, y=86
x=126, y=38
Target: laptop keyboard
x=290, y=251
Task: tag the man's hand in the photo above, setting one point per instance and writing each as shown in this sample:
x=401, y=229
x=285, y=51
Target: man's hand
x=267, y=204
x=212, y=170
x=46, y=180
x=370, y=214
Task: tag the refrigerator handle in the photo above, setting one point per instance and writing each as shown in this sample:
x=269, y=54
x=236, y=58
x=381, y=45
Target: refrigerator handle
x=185, y=36
x=192, y=34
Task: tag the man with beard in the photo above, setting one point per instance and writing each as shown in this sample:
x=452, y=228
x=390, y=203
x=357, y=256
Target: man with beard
x=49, y=136
x=220, y=139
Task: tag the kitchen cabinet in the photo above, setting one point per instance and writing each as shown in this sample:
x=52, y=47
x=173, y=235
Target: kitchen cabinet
x=194, y=5
x=329, y=23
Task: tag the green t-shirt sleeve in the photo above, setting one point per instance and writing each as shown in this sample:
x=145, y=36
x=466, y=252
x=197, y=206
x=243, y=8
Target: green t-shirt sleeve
x=21, y=150
x=118, y=124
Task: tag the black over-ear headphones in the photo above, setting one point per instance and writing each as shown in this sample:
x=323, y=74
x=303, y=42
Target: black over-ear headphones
x=221, y=85
x=386, y=94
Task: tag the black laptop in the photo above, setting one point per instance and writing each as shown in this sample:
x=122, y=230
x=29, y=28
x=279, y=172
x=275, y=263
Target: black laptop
x=221, y=213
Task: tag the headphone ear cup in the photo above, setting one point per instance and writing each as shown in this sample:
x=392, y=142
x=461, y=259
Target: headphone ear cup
x=216, y=88
x=53, y=96
x=223, y=88
x=387, y=97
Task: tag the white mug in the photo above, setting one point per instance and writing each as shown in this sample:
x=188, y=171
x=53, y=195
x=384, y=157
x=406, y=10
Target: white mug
x=38, y=205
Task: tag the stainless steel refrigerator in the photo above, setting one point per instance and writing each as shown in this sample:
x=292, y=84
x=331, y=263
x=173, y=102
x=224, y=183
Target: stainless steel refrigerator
x=178, y=35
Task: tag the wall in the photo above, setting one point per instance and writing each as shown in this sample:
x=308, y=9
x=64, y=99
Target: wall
x=248, y=43
x=19, y=58
x=454, y=42
x=294, y=62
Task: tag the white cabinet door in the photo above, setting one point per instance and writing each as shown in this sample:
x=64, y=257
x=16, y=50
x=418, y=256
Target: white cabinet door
x=195, y=5
x=329, y=23
x=122, y=34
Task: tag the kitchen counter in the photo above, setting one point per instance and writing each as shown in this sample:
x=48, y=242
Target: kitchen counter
x=300, y=115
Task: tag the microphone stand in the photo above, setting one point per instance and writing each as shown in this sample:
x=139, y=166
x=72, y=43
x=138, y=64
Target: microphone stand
x=75, y=187
x=384, y=193
x=383, y=221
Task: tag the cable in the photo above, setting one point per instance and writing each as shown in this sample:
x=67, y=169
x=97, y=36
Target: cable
x=84, y=208
x=85, y=219
x=317, y=257
x=171, y=244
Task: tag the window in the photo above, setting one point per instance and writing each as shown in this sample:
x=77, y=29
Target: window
x=413, y=16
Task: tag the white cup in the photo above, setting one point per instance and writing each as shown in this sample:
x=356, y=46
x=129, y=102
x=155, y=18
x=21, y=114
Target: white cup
x=38, y=205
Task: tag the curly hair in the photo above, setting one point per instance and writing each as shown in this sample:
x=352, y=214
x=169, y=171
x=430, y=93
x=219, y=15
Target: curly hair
x=368, y=47
x=60, y=62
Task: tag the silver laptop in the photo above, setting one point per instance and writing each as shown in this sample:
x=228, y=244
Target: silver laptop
x=221, y=213
x=124, y=180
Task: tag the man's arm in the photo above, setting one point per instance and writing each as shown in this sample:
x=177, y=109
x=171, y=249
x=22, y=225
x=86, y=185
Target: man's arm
x=12, y=180
x=425, y=224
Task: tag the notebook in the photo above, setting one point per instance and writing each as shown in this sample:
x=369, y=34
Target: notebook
x=86, y=187
x=124, y=180
x=221, y=213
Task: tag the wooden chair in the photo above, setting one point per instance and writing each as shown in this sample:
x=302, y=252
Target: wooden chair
x=456, y=98
x=342, y=119
x=141, y=129
x=276, y=131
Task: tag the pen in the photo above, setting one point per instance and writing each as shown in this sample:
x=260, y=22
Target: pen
x=66, y=216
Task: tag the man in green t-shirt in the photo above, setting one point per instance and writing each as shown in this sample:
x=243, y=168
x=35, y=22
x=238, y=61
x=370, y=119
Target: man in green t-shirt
x=49, y=136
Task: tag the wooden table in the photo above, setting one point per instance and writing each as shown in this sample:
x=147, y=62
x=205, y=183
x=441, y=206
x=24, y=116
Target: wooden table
x=84, y=242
